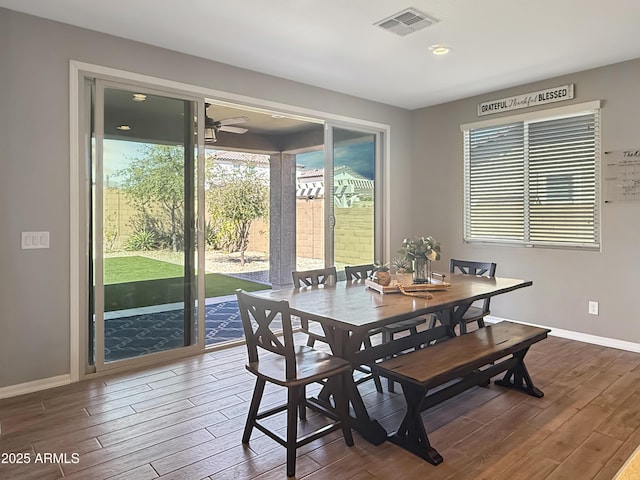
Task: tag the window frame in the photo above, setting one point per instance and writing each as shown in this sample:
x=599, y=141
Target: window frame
x=593, y=107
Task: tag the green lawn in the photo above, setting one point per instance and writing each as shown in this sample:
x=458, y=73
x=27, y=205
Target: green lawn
x=135, y=269
x=133, y=282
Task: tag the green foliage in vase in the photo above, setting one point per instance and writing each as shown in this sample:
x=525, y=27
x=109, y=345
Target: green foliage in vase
x=421, y=247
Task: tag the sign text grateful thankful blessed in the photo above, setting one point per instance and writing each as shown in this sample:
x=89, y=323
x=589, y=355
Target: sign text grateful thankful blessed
x=550, y=95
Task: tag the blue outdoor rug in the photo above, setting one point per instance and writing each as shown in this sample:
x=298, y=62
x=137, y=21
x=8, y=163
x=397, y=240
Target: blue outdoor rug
x=137, y=335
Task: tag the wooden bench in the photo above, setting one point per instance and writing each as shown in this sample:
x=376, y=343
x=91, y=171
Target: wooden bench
x=460, y=363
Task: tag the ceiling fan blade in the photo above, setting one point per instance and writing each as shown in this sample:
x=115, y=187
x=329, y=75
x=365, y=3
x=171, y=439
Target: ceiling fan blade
x=230, y=129
x=233, y=120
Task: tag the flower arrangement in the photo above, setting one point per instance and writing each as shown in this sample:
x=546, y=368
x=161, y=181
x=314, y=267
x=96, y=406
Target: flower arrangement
x=421, y=251
x=421, y=247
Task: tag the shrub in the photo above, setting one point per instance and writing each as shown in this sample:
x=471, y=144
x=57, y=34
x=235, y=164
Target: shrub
x=210, y=236
x=141, y=240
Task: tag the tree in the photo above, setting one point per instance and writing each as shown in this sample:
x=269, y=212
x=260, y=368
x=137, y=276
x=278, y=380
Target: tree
x=154, y=183
x=237, y=195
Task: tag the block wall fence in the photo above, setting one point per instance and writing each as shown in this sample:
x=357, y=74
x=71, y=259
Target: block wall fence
x=353, y=234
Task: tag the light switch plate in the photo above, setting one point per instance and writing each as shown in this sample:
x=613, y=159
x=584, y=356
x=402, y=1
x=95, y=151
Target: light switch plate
x=35, y=240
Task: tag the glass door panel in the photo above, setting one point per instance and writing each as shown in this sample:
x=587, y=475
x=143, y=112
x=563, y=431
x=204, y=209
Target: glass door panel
x=143, y=224
x=336, y=213
x=236, y=211
x=310, y=210
x=352, y=204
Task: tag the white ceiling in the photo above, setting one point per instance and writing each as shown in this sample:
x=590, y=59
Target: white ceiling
x=333, y=44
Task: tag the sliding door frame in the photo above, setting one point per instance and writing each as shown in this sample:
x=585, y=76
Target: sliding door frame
x=80, y=182
x=97, y=211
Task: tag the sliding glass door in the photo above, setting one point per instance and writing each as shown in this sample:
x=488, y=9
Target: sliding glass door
x=143, y=224
x=351, y=208
x=337, y=201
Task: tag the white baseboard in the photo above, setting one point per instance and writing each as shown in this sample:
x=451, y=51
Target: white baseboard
x=580, y=337
x=36, y=385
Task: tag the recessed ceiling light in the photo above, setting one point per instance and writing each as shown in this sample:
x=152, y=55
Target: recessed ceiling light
x=125, y=128
x=139, y=97
x=277, y=115
x=439, y=49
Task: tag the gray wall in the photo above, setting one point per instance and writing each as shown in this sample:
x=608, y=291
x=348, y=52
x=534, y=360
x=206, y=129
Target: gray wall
x=34, y=160
x=426, y=154
x=564, y=280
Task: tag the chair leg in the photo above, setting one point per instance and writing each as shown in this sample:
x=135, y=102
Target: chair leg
x=302, y=403
x=293, y=395
x=463, y=327
x=388, y=337
x=414, y=331
x=376, y=377
x=253, y=409
x=481, y=323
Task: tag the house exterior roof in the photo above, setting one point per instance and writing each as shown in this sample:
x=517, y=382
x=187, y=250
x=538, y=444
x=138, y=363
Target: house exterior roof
x=236, y=157
x=349, y=187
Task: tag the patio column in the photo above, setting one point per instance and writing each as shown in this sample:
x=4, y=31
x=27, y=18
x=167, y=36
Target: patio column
x=282, y=220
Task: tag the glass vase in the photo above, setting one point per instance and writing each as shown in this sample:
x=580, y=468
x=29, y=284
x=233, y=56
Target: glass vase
x=421, y=270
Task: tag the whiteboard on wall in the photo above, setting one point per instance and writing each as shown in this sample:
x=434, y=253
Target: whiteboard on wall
x=622, y=176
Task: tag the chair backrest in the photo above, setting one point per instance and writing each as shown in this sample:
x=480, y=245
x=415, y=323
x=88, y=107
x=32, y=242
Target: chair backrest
x=358, y=272
x=261, y=320
x=309, y=278
x=485, y=269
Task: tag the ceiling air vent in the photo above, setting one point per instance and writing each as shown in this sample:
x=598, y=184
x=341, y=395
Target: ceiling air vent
x=406, y=22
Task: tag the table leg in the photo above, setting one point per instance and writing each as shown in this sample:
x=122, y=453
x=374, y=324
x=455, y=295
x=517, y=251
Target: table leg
x=344, y=344
x=449, y=318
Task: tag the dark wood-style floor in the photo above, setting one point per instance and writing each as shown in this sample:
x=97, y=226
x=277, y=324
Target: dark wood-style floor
x=184, y=421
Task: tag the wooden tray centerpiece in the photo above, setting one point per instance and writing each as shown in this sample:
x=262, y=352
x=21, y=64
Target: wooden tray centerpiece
x=394, y=287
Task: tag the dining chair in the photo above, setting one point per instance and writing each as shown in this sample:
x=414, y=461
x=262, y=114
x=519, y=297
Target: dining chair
x=310, y=278
x=313, y=329
x=475, y=313
x=361, y=272
x=277, y=360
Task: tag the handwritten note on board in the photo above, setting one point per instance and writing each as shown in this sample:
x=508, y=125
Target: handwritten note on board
x=622, y=176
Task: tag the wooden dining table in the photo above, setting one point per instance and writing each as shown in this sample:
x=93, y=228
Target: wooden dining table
x=348, y=311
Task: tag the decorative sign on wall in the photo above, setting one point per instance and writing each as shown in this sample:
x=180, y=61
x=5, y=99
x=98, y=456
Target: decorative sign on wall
x=622, y=176
x=541, y=97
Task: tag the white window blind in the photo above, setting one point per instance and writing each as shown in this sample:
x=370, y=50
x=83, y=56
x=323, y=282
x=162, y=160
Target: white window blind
x=534, y=182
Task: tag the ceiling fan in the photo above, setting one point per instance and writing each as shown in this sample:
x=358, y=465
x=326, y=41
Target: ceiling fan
x=212, y=127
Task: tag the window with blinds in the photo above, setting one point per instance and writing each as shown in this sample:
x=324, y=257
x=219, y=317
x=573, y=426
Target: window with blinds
x=534, y=182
